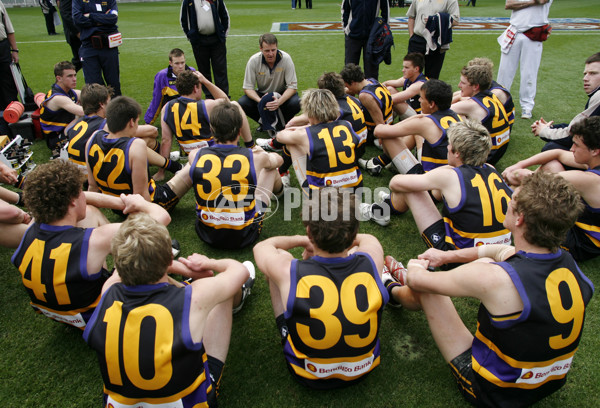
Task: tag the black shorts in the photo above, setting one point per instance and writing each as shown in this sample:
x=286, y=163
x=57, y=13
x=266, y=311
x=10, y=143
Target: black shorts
x=165, y=197
x=462, y=370
x=434, y=236
x=579, y=245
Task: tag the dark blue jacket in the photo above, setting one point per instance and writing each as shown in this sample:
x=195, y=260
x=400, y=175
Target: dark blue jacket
x=358, y=16
x=99, y=21
x=189, y=20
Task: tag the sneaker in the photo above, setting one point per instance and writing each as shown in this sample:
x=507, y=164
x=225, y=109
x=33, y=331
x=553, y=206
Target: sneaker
x=285, y=180
x=267, y=145
x=396, y=269
x=247, y=286
x=175, y=248
x=368, y=165
x=366, y=212
x=174, y=155
x=381, y=196
x=526, y=114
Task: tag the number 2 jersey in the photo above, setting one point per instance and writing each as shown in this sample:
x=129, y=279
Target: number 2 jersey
x=436, y=155
x=78, y=135
x=477, y=219
x=384, y=100
x=521, y=358
x=332, y=158
x=496, y=122
x=188, y=120
x=53, y=265
x=146, y=353
x=333, y=316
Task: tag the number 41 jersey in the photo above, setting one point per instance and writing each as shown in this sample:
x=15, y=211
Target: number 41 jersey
x=333, y=316
x=53, y=264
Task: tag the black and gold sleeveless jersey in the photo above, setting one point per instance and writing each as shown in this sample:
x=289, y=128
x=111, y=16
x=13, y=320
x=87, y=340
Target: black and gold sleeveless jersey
x=477, y=219
x=332, y=159
x=509, y=105
x=520, y=358
x=142, y=337
x=589, y=221
x=54, y=122
x=436, y=155
x=109, y=162
x=496, y=122
x=53, y=265
x=414, y=101
x=351, y=110
x=384, y=100
x=333, y=316
x=78, y=135
x=188, y=120
x=224, y=181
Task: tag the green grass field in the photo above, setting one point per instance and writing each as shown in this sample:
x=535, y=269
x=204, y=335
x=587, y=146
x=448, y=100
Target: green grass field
x=46, y=364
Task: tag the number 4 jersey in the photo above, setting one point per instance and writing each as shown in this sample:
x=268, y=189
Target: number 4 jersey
x=333, y=316
x=53, y=263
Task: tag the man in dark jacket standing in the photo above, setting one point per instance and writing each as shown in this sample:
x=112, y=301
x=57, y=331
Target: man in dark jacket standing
x=358, y=17
x=206, y=24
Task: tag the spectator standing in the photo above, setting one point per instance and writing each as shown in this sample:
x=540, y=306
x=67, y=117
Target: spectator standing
x=206, y=25
x=418, y=15
x=48, y=10
x=97, y=21
x=65, y=8
x=358, y=17
x=521, y=44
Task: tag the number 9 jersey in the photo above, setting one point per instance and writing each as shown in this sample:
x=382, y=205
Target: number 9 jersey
x=333, y=316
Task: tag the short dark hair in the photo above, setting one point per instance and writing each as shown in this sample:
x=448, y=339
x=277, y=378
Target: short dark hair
x=337, y=234
x=439, y=92
x=352, y=73
x=186, y=81
x=92, y=95
x=417, y=59
x=120, y=111
x=60, y=67
x=550, y=205
x=334, y=82
x=50, y=189
x=593, y=58
x=589, y=131
x=225, y=121
x=267, y=38
x=176, y=52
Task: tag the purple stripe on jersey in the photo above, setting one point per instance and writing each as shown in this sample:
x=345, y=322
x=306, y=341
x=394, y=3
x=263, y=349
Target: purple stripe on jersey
x=186, y=335
x=493, y=363
x=292, y=293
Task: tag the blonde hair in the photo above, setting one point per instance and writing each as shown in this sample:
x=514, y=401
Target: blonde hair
x=486, y=62
x=320, y=104
x=141, y=250
x=471, y=140
x=481, y=75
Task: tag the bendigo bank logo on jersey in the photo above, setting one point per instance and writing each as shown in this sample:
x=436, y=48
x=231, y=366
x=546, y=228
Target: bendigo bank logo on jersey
x=235, y=205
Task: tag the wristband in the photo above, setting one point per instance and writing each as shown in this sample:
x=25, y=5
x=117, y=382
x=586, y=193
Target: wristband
x=249, y=144
x=16, y=50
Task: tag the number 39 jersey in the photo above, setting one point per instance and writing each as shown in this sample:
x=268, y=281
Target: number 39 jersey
x=53, y=265
x=333, y=315
x=477, y=219
x=520, y=358
x=145, y=349
x=188, y=120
